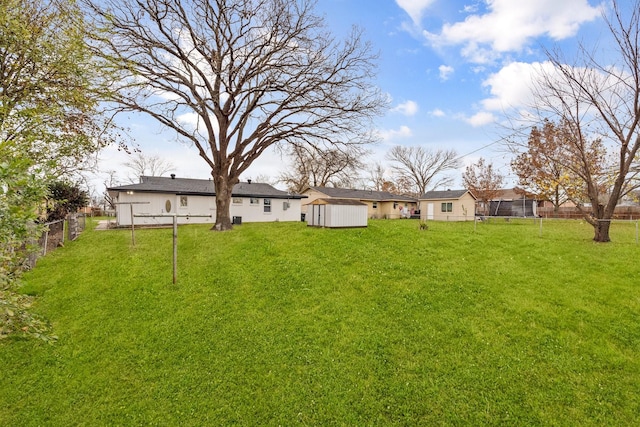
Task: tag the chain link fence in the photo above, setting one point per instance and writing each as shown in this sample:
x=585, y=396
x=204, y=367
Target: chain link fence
x=55, y=233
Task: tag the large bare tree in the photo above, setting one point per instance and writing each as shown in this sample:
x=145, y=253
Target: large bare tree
x=599, y=99
x=422, y=169
x=317, y=166
x=237, y=77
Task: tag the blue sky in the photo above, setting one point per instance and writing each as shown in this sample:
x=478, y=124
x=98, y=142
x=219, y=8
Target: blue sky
x=450, y=67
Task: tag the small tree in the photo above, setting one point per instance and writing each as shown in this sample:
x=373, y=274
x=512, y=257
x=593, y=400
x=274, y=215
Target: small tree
x=48, y=103
x=64, y=198
x=483, y=182
x=417, y=169
x=49, y=126
x=20, y=196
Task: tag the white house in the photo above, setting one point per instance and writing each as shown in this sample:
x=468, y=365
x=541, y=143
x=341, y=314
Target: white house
x=336, y=213
x=251, y=202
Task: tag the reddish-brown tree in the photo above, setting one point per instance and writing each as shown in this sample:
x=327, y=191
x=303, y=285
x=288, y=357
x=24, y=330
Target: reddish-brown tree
x=553, y=165
x=483, y=181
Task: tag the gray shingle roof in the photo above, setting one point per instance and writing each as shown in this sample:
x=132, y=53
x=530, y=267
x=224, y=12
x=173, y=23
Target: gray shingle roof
x=202, y=187
x=331, y=201
x=446, y=194
x=348, y=193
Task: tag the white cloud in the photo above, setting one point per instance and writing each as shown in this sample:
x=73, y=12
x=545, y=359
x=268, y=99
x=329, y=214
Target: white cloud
x=393, y=134
x=437, y=113
x=510, y=90
x=408, y=108
x=510, y=25
x=445, y=72
x=511, y=87
x=414, y=8
x=481, y=118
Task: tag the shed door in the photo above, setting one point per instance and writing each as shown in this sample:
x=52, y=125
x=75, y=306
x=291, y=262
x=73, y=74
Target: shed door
x=429, y=210
x=320, y=219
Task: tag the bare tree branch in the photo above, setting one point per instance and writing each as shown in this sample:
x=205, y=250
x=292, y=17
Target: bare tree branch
x=423, y=169
x=318, y=166
x=142, y=165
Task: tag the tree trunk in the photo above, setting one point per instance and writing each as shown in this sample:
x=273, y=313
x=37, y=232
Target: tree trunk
x=601, y=224
x=602, y=231
x=224, y=187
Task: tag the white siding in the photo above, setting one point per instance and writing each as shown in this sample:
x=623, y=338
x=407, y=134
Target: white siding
x=256, y=213
x=335, y=216
x=346, y=216
x=155, y=204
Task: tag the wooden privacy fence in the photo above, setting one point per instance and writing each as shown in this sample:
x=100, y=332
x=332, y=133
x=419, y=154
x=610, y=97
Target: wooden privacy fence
x=621, y=212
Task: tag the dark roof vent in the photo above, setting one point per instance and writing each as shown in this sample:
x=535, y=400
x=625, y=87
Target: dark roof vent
x=248, y=181
x=173, y=176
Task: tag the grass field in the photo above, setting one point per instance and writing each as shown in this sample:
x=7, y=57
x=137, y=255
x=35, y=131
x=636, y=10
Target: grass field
x=280, y=324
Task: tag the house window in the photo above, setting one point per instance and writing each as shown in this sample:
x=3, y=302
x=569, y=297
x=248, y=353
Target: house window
x=183, y=202
x=267, y=205
x=447, y=207
x=374, y=205
x=254, y=201
x=237, y=200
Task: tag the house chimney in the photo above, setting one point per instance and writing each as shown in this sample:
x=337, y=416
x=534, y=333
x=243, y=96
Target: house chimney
x=173, y=176
x=249, y=181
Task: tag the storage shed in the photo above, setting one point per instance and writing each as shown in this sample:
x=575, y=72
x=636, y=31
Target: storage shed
x=336, y=213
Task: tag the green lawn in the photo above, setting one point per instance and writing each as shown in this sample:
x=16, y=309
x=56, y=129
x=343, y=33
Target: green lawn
x=281, y=324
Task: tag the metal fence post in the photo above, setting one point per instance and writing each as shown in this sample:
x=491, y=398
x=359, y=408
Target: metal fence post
x=540, y=226
x=175, y=248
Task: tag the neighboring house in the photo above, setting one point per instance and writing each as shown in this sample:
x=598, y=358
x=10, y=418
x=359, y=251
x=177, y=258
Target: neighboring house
x=336, y=213
x=380, y=204
x=513, y=202
x=448, y=205
x=251, y=202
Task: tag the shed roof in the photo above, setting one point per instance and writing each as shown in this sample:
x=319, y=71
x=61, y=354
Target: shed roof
x=331, y=201
x=202, y=187
x=349, y=193
x=445, y=195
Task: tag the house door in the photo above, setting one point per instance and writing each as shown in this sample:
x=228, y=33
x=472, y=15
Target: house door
x=429, y=210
